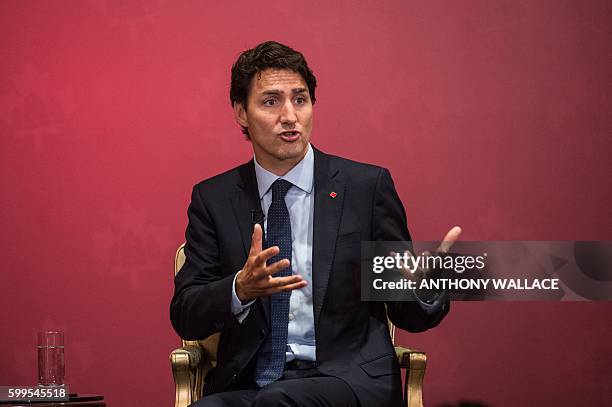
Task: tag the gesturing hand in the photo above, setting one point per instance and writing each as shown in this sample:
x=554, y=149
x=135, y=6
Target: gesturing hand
x=255, y=279
x=417, y=273
x=447, y=242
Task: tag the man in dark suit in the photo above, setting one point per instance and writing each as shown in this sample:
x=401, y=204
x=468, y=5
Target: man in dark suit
x=287, y=302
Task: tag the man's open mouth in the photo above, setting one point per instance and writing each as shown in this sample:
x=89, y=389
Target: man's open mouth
x=290, y=135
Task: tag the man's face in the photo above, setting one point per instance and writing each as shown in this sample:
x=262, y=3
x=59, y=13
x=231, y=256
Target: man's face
x=279, y=118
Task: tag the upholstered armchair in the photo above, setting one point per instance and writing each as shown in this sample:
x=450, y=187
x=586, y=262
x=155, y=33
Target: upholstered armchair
x=194, y=359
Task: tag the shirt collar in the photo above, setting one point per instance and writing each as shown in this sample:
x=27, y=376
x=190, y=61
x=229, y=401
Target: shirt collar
x=301, y=175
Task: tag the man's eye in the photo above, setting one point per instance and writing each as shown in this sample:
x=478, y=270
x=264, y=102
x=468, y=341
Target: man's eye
x=300, y=100
x=269, y=102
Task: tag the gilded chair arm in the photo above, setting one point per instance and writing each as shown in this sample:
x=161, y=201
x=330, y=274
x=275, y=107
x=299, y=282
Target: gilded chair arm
x=185, y=365
x=415, y=362
x=192, y=354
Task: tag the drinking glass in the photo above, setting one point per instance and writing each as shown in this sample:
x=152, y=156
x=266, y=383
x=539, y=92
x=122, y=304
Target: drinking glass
x=50, y=348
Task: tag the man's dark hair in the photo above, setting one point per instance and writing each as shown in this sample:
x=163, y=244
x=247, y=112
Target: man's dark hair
x=267, y=55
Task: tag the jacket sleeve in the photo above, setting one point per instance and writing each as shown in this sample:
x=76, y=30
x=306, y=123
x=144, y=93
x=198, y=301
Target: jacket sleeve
x=389, y=224
x=201, y=304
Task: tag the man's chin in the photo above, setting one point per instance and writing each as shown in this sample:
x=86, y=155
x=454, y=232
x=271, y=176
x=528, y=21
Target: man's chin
x=291, y=152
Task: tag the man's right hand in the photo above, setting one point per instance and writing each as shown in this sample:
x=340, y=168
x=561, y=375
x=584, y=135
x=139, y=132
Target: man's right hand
x=255, y=279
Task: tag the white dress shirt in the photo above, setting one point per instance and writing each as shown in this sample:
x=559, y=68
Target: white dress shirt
x=300, y=204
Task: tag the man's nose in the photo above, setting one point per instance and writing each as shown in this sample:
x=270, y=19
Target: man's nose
x=288, y=115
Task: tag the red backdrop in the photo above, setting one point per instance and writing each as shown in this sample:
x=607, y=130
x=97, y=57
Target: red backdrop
x=492, y=115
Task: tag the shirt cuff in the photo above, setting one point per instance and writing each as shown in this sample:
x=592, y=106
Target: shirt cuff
x=239, y=310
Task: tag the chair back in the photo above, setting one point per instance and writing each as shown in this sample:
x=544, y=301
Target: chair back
x=210, y=344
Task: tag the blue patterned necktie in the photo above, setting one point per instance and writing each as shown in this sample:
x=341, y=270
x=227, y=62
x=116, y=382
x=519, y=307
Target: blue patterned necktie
x=271, y=356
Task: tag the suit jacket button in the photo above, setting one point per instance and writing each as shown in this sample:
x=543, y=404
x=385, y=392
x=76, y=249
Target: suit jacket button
x=234, y=377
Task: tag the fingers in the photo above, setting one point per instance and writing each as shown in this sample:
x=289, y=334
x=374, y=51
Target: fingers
x=277, y=266
x=450, y=238
x=407, y=254
x=289, y=287
x=263, y=256
x=279, y=282
x=259, y=268
x=256, y=239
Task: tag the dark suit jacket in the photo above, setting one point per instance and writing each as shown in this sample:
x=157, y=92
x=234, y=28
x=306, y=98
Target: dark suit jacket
x=352, y=337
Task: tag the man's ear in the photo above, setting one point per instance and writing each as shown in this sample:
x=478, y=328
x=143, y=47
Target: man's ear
x=240, y=114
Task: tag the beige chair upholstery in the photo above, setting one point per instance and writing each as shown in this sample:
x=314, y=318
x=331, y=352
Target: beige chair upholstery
x=191, y=363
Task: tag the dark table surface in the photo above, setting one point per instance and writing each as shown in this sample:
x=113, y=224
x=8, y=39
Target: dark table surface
x=75, y=400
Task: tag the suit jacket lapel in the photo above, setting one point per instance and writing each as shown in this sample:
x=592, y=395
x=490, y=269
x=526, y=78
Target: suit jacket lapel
x=247, y=208
x=328, y=201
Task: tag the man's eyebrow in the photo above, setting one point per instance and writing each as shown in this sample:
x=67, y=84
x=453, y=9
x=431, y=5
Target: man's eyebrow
x=279, y=92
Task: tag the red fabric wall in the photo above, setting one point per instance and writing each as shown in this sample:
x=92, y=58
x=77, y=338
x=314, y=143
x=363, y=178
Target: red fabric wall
x=492, y=115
